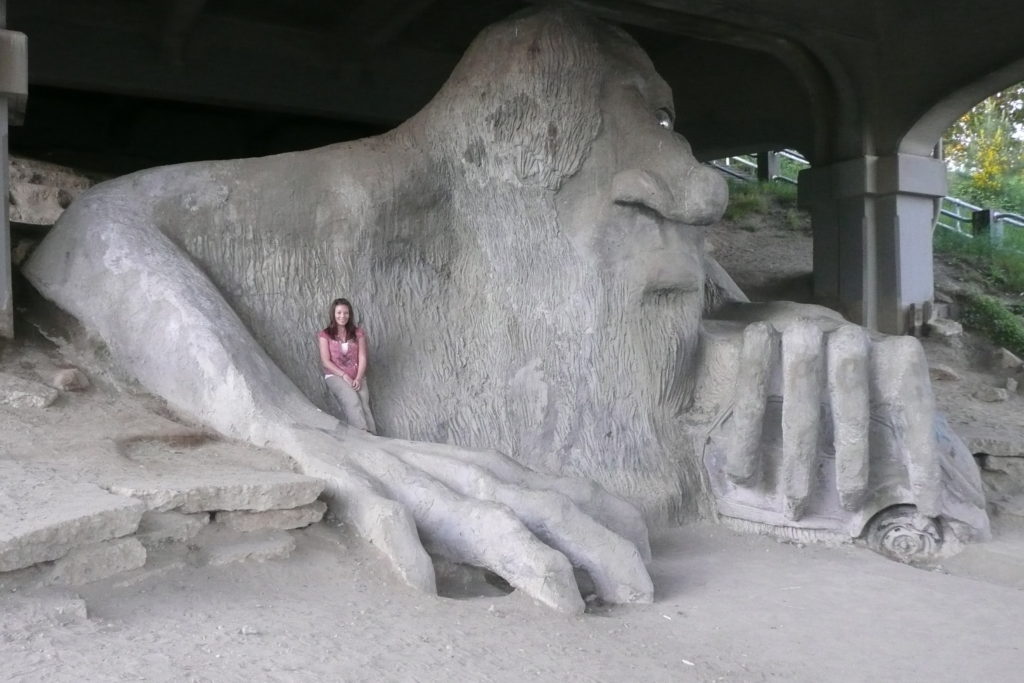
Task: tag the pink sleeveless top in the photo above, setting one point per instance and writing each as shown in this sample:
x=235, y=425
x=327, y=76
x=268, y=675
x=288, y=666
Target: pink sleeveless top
x=345, y=354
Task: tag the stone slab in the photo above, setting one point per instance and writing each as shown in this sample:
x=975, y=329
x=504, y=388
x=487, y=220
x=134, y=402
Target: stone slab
x=991, y=394
x=222, y=546
x=43, y=516
x=161, y=528
x=274, y=519
x=943, y=328
x=161, y=563
x=1003, y=359
x=23, y=393
x=222, y=490
x=98, y=561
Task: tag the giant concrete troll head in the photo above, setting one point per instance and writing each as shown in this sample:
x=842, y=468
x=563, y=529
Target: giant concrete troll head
x=527, y=256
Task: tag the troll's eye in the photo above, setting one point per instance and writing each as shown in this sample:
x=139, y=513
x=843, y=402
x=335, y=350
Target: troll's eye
x=664, y=117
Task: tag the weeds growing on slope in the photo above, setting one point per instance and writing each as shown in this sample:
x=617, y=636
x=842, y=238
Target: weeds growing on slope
x=989, y=316
x=751, y=204
x=1001, y=266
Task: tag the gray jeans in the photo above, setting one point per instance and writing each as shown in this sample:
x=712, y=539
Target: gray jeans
x=355, y=405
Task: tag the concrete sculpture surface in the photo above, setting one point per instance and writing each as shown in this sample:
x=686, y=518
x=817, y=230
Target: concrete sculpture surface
x=528, y=255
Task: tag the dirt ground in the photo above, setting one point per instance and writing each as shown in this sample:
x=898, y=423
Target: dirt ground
x=729, y=607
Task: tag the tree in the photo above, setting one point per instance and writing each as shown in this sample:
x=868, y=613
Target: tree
x=985, y=151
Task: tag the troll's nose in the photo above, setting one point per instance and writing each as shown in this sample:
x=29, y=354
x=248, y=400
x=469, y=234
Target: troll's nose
x=702, y=194
x=701, y=191
x=668, y=179
x=684, y=192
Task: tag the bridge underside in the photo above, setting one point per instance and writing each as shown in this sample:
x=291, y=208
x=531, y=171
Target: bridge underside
x=863, y=88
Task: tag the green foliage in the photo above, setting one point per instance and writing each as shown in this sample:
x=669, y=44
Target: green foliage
x=987, y=138
x=746, y=198
x=1006, y=194
x=989, y=316
x=789, y=168
x=984, y=151
x=1001, y=267
x=796, y=219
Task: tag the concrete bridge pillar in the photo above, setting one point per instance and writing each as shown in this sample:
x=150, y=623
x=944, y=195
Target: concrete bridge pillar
x=13, y=92
x=872, y=219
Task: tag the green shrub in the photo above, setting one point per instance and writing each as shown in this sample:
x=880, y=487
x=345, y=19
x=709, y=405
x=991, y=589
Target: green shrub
x=1002, y=266
x=994, y=320
x=797, y=220
x=746, y=198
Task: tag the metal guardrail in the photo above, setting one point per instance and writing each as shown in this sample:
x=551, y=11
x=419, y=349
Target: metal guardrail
x=971, y=220
x=954, y=214
x=745, y=166
x=957, y=215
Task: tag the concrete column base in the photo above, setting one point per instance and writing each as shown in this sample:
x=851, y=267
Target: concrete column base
x=6, y=283
x=872, y=219
x=13, y=92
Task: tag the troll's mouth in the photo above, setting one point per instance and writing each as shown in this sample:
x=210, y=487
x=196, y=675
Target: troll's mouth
x=665, y=256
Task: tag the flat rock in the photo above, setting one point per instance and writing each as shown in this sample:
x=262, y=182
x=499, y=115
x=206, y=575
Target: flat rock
x=943, y=373
x=943, y=328
x=43, y=516
x=23, y=393
x=98, y=561
x=161, y=528
x=161, y=563
x=1005, y=360
x=274, y=519
x=991, y=394
x=221, y=490
x=225, y=547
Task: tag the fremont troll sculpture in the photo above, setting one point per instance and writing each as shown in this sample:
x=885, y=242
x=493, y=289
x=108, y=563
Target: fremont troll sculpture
x=530, y=248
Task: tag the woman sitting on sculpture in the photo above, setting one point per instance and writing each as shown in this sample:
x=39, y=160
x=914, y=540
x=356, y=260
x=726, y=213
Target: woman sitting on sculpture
x=343, y=355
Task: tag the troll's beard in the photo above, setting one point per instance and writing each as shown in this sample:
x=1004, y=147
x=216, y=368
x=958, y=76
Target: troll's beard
x=597, y=372
x=523, y=344
x=626, y=384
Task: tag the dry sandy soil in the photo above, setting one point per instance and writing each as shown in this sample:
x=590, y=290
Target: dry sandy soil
x=728, y=607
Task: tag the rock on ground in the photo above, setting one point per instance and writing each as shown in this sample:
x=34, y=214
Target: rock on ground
x=98, y=561
x=234, y=489
x=991, y=394
x=943, y=328
x=1003, y=359
x=943, y=373
x=69, y=379
x=274, y=519
x=23, y=393
x=160, y=528
x=43, y=517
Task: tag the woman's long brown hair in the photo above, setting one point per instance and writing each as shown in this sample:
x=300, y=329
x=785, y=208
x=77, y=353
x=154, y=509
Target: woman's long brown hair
x=332, y=326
